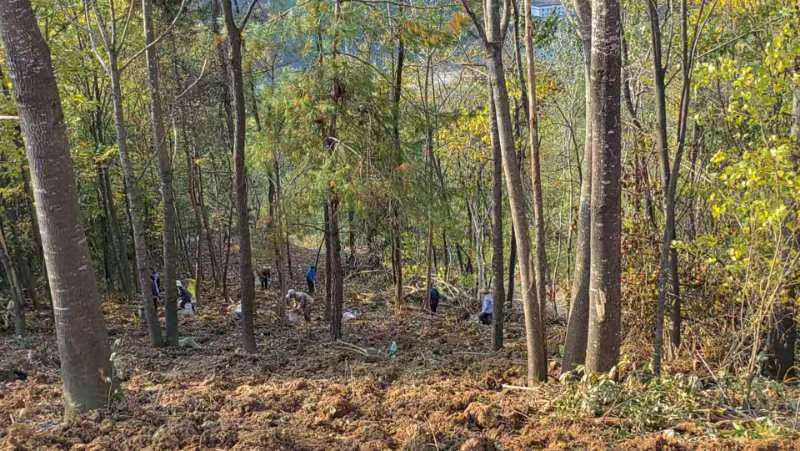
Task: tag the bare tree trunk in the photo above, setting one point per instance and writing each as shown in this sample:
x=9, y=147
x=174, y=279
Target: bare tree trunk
x=80, y=330
x=277, y=240
x=497, y=227
x=512, y=269
x=428, y=265
x=135, y=203
x=604, y=285
x=493, y=39
x=240, y=177
x=121, y=246
x=336, y=270
x=578, y=322
x=397, y=256
x=328, y=265
x=16, y=291
x=351, y=236
x=536, y=176
x=165, y=174
x=221, y=46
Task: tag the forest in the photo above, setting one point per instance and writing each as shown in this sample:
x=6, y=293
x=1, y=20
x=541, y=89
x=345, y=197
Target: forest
x=399, y=224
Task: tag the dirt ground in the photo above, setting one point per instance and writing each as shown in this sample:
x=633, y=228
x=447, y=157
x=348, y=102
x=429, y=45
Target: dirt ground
x=442, y=390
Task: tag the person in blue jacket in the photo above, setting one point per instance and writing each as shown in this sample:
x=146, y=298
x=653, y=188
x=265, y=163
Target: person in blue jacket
x=435, y=296
x=311, y=277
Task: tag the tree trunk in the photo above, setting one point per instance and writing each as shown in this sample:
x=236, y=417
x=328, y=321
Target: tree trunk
x=493, y=42
x=536, y=176
x=336, y=269
x=328, y=265
x=397, y=229
x=81, y=334
x=240, y=176
x=497, y=227
x=277, y=240
x=37, y=240
x=20, y=329
x=512, y=269
x=165, y=174
x=578, y=322
x=124, y=270
x=135, y=203
x=225, y=71
x=428, y=265
x=603, y=342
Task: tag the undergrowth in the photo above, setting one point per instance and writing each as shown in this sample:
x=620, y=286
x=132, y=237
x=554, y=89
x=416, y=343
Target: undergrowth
x=731, y=406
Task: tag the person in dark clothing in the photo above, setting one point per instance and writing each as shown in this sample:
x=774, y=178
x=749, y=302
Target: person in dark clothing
x=311, y=277
x=265, y=276
x=435, y=296
x=183, y=294
x=155, y=287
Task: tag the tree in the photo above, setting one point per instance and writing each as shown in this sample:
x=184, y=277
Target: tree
x=492, y=36
x=578, y=321
x=17, y=298
x=603, y=342
x=80, y=329
x=540, y=264
x=112, y=44
x=497, y=227
x=165, y=174
x=247, y=282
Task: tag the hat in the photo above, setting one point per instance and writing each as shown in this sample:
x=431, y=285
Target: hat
x=290, y=293
x=178, y=284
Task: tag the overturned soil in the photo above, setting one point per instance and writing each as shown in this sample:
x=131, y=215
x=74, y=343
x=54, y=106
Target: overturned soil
x=443, y=389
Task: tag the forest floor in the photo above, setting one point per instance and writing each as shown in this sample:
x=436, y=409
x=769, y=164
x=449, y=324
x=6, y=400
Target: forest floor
x=443, y=389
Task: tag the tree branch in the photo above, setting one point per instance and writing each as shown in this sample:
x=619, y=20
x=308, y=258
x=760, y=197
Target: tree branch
x=481, y=31
x=127, y=22
x=247, y=16
x=194, y=83
x=156, y=40
x=506, y=19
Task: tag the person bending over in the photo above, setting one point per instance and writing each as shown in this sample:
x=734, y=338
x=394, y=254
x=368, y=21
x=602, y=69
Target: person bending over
x=487, y=309
x=300, y=301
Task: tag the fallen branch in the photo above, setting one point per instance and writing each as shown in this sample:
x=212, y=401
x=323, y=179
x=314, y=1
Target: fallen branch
x=517, y=387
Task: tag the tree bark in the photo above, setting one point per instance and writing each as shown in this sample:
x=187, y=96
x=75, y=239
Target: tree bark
x=493, y=42
x=497, y=227
x=135, y=202
x=536, y=176
x=397, y=231
x=578, y=322
x=247, y=282
x=224, y=72
x=337, y=297
x=328, y=265
x=165, y=174
x=604, y=283
x=9, y=268
x=80, y=330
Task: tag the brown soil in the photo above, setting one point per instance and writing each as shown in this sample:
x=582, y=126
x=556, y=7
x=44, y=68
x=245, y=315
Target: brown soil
x=442, y=391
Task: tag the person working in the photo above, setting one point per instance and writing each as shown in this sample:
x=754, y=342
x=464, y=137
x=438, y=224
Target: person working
x=183, y=294
x=265, y=276
x=487, y=309
x=311, y=277
x=155, y=287
x=299, y=301
x=435, y=296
